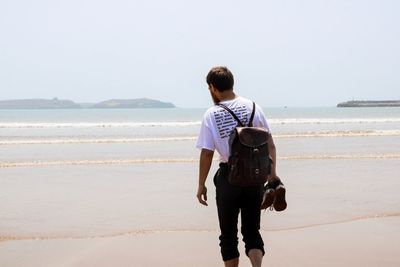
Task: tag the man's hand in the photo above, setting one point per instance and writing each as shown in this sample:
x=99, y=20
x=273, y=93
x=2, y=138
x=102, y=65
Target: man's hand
x=273, y=177
x=202, y=194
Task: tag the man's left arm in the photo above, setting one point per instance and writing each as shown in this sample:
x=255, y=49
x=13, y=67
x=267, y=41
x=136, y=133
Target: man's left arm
x=272, y=154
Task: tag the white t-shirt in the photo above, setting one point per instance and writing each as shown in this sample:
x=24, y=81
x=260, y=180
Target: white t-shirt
x=218, y=124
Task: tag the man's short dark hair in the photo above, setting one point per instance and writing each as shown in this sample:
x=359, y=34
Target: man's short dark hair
x=221, y=78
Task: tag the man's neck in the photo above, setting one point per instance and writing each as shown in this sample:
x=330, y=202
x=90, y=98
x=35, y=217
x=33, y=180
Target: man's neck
x=227, y=95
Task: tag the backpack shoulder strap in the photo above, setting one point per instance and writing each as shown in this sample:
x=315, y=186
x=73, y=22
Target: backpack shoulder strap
x=231, y=112
x=236, y=118
x=252, y=115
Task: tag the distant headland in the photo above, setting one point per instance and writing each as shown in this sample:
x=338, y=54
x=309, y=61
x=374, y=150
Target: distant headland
x=56, y=103
x=369, y=103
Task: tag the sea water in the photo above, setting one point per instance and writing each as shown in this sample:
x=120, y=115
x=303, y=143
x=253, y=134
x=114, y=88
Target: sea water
x=93, y=172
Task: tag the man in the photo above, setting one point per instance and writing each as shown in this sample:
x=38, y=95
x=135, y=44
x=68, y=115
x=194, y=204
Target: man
x=216, y=128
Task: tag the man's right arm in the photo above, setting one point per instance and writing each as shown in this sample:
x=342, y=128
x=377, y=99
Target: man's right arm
x=206, y=157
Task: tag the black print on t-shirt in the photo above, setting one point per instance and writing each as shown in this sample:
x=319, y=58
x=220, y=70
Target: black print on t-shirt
x=226, y=123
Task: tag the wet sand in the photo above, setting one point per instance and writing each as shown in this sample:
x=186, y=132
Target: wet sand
x=367, y=242
x=341, y=212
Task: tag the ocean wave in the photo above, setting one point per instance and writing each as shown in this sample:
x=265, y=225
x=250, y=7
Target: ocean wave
x=333, y=120
x=341, y=157
x=40, y=125
x=114, y=140
x=74, y=140
x=39, y=163
x=352, y=133
x=289, y=121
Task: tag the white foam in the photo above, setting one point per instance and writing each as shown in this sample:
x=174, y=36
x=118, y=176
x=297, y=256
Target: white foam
x=91, y=140
x=39, y=163
x=333, y=120
x=189, y=123
x=74, y=140
x=354, y=133
x=97, y=124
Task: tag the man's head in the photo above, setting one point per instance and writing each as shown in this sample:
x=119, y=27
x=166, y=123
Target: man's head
x=221, y=78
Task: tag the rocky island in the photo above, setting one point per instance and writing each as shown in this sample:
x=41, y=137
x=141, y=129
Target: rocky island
x=56, y=103
x=369, y=103
x=38, y=104
x=133, y=103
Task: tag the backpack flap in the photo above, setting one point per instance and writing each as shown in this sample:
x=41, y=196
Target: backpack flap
x=252, y=136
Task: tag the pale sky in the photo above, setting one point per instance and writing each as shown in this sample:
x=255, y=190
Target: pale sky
x=282, y=52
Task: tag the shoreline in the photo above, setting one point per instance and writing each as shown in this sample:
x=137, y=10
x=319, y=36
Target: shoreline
x=182, y=231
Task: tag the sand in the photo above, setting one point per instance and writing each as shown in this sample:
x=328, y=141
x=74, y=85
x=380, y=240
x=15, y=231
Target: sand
x=92, y=216
x=366, y=242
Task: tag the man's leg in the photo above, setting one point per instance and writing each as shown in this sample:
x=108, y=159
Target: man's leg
x=250, y=215
x=255, y=256
x=232, y=263
x=228, y=213
x=228, y=219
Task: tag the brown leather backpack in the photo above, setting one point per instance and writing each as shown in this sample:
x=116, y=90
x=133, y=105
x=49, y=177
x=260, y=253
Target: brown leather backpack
x=249, y=162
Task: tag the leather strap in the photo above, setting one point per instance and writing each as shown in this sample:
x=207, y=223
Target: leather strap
x=236, y=118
